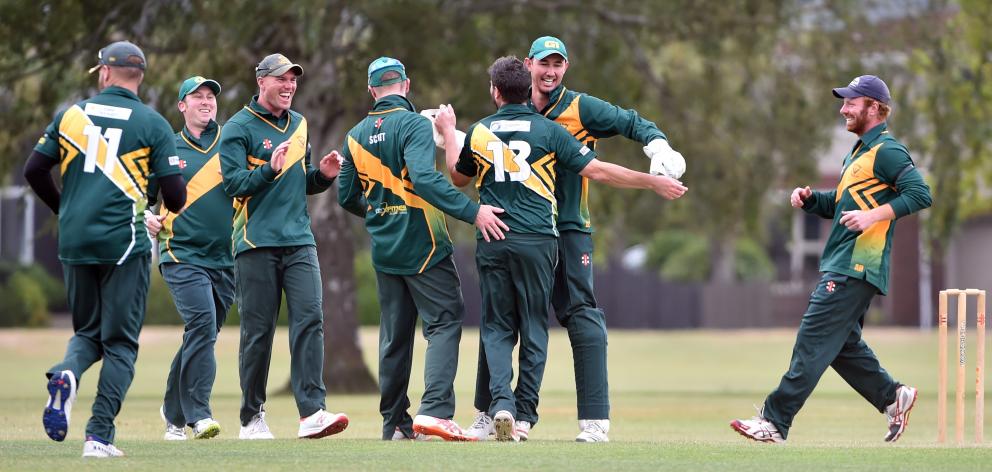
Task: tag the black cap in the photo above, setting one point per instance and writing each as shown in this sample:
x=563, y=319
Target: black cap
x=120, y=54
x=865, y=86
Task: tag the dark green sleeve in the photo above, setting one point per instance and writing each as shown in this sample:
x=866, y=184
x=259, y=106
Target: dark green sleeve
x=164, y=159
x=822, y=204
x=893, y=166
x=350, y=195
x=604, y=120
x=316, y=182
x=238, y=180
x=48, y=144
x=466, y=164
x=572, y=154
x=428, y=182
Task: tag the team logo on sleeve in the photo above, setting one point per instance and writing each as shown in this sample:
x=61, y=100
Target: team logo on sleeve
x=378, y=123
x=267, y=144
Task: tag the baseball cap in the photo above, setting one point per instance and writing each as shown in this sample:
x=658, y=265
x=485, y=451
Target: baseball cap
x=865, y=86
x=120, y=54
x=380, y=66
x=545, y=46
x=276, y=64
x=191, y=84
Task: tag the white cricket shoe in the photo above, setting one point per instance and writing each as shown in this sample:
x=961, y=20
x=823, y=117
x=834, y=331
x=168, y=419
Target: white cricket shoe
x=443, y=428
x=172, y=432
x=504, y=426
x=482, y=427
x=593, y=431
x=256, y=428
x=321, y=424
x=96, y=447
x=206, y=428
x=758, y=429
x=61, y=396
x=521, y=429
x=898, y=412
x=399, y=436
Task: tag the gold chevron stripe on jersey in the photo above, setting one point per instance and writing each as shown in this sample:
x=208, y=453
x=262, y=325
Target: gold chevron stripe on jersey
x=860, y=171
x=371, y=170
x=482, y=136
x=297, y=149
x=205, y=180
x=137, y=164
x=370, y=165
x=71, y=130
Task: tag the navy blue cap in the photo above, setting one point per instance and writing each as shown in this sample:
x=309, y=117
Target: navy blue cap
x=865, y=86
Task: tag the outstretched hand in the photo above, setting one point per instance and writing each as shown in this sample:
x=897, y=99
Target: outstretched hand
x=330, y=165
x=799, y=195
x=668, y=187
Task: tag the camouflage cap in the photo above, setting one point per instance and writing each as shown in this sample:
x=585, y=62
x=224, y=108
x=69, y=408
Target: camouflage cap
x=276, y=65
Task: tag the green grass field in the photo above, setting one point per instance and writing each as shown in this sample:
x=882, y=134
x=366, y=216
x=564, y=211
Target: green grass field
x=673, y=395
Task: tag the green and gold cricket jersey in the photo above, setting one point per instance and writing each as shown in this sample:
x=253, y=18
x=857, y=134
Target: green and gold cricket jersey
x=589, y=119
x=390, y=178
x=878, y=170
x=270, y=208
x=108, y=146
x=515, y=154
x=200, y=234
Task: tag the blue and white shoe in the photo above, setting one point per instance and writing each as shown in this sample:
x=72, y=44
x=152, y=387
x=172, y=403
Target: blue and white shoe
x=61, y=396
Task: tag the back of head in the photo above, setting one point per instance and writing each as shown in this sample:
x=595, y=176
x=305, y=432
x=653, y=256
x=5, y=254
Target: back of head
x=511, y=78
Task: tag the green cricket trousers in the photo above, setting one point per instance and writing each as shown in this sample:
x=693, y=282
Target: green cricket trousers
x=515, y=275
x=108, y=309
x=575, y=307
x=261, y=276
x=202, y=296
x=435, y=295
x=830, y=335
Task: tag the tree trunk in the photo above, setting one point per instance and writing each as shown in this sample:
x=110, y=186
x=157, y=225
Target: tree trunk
x=722, y=259
x=344, y=369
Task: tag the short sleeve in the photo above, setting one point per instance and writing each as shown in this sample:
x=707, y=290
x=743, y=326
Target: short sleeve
x=164, y=157
x=48, y=143
x=572, y=154
x=466, y=164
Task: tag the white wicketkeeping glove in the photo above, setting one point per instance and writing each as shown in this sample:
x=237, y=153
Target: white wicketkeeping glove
x=665, y=160
x=438, y=138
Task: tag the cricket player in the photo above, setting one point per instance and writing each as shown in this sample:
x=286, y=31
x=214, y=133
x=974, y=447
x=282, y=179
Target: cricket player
x=106, y=147
x=389, y=178
x=265, y=161
x=878, y=185
x=196, y=262
x=587, y=119
x=513, y=155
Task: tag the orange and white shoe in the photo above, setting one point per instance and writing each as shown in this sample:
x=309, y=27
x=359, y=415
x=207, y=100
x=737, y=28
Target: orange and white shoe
x=321, y=424
x=759, y=429
x=445, y=429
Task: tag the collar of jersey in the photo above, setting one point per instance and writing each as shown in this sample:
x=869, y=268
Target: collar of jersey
x=554, y=98
x=391, y=103
x=281, y=123
x=873, y=134
x=209, y=134
x=120, y=91
x=514, y=109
